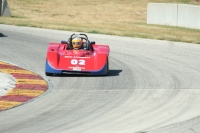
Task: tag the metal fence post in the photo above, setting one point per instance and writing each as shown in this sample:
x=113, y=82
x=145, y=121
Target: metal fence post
x=1, y=7
x=5, y=11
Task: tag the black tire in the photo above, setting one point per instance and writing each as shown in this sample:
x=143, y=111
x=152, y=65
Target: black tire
x=49, y=74
x=107, y=70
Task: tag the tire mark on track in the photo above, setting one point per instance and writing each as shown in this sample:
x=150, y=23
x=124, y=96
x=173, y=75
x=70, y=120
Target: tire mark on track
x=114, y=97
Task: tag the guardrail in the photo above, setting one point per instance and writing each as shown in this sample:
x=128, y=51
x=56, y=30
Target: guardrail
x=181, y=15
x=4, y=9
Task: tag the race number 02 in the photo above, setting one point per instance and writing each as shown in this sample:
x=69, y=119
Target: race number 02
x=77, y=62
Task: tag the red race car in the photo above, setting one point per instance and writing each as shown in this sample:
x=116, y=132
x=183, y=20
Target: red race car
x=77, y=56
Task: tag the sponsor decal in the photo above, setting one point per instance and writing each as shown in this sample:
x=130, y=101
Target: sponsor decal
x=77, y=57
x=68, y=56
x=81, y=57
x=77, y=68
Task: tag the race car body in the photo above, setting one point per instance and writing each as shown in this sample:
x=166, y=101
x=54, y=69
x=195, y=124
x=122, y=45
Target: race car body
x=92, y=59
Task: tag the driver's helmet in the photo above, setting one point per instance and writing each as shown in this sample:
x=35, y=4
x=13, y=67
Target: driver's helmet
x=77, y=43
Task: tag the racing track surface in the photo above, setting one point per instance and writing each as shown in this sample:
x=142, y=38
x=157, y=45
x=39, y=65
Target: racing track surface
x=153, y=87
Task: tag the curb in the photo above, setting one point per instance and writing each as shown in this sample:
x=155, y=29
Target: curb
x=29, y=85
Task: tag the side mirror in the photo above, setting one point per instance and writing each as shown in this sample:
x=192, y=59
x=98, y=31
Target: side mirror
x=63, y=42
x=92, y=43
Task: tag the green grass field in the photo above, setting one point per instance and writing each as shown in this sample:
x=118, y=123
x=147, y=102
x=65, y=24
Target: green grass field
x=113, y=17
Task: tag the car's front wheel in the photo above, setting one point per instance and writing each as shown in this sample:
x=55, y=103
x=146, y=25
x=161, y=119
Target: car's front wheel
x=107, y=67
x=49, y=74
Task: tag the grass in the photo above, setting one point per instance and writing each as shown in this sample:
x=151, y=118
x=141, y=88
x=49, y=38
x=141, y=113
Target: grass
x=113, y=17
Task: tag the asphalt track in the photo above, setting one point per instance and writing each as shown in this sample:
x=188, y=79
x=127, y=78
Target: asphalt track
x=153, y=87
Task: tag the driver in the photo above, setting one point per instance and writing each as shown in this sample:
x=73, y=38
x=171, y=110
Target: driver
x=77, y=43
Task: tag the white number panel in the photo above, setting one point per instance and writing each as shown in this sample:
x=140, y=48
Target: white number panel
x=77, y=62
